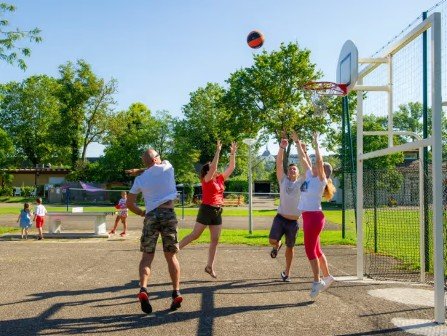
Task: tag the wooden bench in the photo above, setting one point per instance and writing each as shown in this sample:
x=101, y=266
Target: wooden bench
x=55, y=221
x=232, y=201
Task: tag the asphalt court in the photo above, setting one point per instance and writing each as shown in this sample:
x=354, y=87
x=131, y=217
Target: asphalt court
x=89, y=286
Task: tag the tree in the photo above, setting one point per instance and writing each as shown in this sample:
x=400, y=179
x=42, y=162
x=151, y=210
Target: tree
x=409, y=118
x=98, y=109
x=9, y=50
x=78, y=85
x=130, y=133
x=6, y=148
x=183, y=156
x=207, y=120
x=29, y=114
x=268, y=96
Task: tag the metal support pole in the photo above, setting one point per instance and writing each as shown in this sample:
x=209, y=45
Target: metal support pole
x=250, y=193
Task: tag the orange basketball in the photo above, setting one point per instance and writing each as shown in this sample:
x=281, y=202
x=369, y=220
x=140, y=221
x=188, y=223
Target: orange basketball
x=255, y=39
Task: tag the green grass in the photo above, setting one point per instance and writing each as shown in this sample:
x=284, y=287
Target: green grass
x=242, y=237
x=8, y=229
x=260, y=237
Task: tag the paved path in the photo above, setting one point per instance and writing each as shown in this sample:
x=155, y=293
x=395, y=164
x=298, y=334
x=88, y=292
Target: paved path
x=65, y=287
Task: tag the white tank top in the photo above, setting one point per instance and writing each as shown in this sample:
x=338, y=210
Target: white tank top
x=311, y=193
x=289, y=196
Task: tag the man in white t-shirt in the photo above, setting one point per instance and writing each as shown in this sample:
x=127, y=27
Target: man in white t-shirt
x=157, y=184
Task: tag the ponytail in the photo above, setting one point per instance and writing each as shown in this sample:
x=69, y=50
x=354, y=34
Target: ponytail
x=329, y=190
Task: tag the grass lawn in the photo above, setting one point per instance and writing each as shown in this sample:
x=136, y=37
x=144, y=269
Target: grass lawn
x=242, y=237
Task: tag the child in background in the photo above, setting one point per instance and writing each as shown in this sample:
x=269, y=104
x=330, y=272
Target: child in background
x=122, y=214
x=25, y=220
x=39, y=217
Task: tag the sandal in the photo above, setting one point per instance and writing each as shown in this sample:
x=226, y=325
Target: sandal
x=275, y=251
x=210, y=272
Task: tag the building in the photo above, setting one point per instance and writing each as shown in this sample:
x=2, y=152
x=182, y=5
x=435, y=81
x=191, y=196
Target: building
x=36, y=176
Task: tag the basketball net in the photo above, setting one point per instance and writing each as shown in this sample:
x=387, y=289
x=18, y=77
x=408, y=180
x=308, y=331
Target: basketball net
x=321, y=93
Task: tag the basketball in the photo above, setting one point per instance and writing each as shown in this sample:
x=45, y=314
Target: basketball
x=255, y=39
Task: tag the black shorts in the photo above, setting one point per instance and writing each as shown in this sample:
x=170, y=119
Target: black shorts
x=209, y=215
x=282, y=226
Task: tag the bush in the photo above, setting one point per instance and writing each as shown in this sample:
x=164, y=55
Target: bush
x=236, y=186
x=6, y=191
x=26, y=191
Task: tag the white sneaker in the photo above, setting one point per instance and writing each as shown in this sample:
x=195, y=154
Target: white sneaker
x=328, y=281
x=316, y=288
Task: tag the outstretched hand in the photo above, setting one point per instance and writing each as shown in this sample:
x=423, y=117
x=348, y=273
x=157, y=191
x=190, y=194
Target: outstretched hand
x=284, y=143
x=233, y=148
x=218, y=145
x=295, y=137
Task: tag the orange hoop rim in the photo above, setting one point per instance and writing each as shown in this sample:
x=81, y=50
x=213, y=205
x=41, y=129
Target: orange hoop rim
x=327, y=88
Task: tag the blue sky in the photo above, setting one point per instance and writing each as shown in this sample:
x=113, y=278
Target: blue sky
x=160, y=51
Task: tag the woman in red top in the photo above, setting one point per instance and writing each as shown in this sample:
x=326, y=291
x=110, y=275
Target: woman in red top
x=210, y=211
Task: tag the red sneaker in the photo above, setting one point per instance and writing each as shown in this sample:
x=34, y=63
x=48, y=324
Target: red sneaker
x=144, y=300
x=176, y=302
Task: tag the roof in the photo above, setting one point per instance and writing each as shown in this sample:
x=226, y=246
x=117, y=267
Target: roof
x=36, y=170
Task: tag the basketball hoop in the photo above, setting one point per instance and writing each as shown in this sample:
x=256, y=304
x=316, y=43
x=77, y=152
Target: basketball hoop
x=321, y=93
x=327, y=88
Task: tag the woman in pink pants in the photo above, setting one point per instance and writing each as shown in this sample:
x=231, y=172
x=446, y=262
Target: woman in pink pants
x=317, y=184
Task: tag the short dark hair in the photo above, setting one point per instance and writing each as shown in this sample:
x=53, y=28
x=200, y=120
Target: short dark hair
x=292, y=165
x=204, y=170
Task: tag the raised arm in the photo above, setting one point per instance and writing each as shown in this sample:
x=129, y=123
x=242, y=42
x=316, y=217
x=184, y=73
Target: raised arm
x=280, y=159
x=214, y=163
x=135, y=171
x=307, y=158
x=303, y=155
x=318, y=158
x=226, y=174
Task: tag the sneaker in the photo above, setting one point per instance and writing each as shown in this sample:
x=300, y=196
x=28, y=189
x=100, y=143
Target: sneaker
x=275, y=250
x=176, y=302
x=146, y=307
x=328, y=281
x=316, y=288
x=285, y=277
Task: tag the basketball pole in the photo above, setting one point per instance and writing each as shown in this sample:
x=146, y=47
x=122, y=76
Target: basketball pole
x=438, y=234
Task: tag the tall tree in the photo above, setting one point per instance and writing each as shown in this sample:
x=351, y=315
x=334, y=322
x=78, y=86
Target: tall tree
x=130, y=133
x=77, y=86
x=6, y=148
x=268, y=96
x=9, y=38
x=29, y=114
x=98, y=109
x=206, y=120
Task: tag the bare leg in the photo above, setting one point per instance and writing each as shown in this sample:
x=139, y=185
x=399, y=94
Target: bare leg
x=323, y=265
x=124, y=220
x=196, y=232
x=174, y=269
x=290, y=252
x=117, y=219
x=39, y=230
x=274, y=243
x=23, y=232
x=145, y=268
x=215, y=231
x=314, y=264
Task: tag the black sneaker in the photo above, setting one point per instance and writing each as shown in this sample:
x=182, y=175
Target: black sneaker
x=285, y=277
x=144, y=300
x=176, y=302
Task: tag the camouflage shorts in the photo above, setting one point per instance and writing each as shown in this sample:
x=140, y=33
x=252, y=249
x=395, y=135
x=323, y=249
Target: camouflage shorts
x=160, y=221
